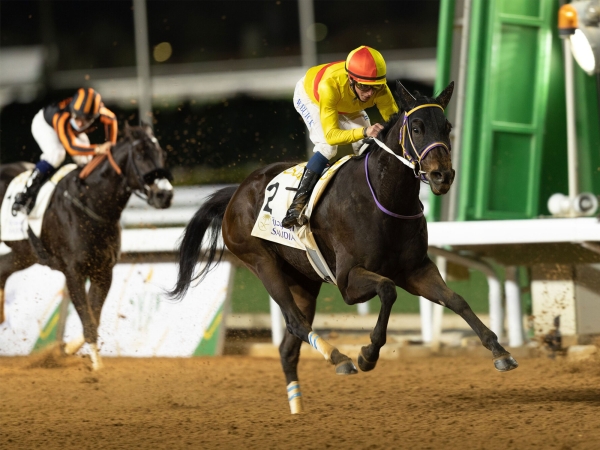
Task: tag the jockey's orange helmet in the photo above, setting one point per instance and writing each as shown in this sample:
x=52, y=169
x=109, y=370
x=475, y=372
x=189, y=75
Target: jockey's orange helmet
x=86, y=104
x=365, y=65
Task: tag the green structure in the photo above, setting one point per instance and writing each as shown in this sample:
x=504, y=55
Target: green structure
x=514, y=143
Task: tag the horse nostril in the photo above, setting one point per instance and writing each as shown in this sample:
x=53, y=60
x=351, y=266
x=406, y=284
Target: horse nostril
x=436, y=176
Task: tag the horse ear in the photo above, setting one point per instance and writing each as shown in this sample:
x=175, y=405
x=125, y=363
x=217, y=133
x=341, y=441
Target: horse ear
x=407, y=101
x=444, y=98
x=147, y=128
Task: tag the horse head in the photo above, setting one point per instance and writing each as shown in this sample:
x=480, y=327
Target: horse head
x=425, y=136
x=146, y=170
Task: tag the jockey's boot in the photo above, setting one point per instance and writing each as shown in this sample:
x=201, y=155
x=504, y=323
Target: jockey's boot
x=24, y=201
x=294, y=214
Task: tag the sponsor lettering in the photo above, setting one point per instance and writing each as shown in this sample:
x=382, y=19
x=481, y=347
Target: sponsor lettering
x=303, y=110
x=281, y=232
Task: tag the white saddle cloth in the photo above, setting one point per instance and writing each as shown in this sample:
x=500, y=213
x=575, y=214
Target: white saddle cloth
x=277, y=201
x=14, y=228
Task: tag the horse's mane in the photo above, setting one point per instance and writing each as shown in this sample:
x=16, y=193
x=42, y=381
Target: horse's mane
x=420, y=99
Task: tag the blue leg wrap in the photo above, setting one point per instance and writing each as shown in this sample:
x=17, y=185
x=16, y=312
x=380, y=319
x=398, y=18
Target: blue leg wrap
x=317, y=163
x=44, y=167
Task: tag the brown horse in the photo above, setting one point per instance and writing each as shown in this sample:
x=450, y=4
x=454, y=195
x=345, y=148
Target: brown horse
x=368, y=225
x=81, y=234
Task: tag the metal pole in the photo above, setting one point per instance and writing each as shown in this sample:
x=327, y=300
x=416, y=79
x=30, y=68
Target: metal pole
x=494, y=285
x=438, y=310
x=513, y=308
x=308, y=48
x=142, y=56
x=460, y=107
x=277, y=328
x=571, y=133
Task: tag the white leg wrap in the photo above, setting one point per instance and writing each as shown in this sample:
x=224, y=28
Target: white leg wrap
x=295, y=398
x=95, y=357
x=72, y=347
x=321, y=345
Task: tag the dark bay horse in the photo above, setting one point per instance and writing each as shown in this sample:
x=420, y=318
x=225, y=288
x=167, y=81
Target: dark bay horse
x=81, y=234
x=367, y=246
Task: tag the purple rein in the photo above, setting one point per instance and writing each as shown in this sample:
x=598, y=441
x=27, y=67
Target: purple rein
x=379, y=205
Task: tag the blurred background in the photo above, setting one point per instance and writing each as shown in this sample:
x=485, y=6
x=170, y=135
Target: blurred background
x=216, y=79
x=222, y=72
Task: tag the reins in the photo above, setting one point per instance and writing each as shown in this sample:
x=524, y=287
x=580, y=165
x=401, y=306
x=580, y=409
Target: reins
x=95, y=162
x=379, y=205
x=405, y=159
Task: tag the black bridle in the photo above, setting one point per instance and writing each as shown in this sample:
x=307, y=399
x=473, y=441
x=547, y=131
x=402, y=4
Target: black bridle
x=147, y=178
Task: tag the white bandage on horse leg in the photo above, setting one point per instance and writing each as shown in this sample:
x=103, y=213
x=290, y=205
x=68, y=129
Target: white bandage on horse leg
x=295, y=398
x=95, y=357
x=74, y=345
x=321, y=345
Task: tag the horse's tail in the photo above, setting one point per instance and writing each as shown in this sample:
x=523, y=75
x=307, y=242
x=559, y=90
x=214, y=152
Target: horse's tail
x=206, y=223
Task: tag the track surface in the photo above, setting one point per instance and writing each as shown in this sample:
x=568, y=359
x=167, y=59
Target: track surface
x=240, y=402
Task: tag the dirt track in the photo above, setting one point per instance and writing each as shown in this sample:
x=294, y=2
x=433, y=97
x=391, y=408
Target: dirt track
x=240, y=402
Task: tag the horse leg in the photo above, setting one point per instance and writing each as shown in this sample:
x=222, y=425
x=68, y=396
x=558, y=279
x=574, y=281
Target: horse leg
x=11, y=263
x=305, y=294
x=363, y=285
x=427, y=282
x=99, y=287
x=273, y=279
x=76, y=285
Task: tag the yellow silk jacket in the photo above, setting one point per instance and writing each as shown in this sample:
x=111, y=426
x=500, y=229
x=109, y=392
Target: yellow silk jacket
x=328, y=86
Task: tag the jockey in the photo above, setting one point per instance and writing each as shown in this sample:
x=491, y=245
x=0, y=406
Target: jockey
x=331, y=98
x=61, y=127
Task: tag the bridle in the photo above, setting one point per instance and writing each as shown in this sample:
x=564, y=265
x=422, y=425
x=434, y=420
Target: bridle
x=148, y=178
x=407, y=159
x=419, y=155
x=144, y=180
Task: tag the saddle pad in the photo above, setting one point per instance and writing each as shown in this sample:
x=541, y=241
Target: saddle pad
x=275, y=206
x=14, y=228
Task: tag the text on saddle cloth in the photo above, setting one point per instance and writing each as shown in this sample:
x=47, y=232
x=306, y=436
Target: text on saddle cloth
x=14, y=228
x=279, y=195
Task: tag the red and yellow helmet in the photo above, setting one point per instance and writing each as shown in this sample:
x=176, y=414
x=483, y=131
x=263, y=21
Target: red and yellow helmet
x=86, y=104
x=366, y=66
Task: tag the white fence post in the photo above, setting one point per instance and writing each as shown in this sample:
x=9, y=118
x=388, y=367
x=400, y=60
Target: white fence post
x=513, y=308
x=277, y=327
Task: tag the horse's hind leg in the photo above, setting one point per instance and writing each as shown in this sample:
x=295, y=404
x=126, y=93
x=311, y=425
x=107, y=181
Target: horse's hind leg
x=270, y=273
x=364, y=285
x=305, y=295
x=427, y=282
x=21, y=257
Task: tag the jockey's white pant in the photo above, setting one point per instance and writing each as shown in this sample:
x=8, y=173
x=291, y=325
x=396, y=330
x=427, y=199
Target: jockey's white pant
x=311, y=115
x=53, y=151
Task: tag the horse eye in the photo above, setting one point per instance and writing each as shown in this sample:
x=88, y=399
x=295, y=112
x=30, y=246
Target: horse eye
x=415, y=130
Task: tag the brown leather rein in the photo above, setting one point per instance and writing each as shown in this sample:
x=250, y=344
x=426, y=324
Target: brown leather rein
x=95, y=162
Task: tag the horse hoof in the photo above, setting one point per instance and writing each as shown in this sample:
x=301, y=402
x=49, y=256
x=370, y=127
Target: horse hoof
x=505, y=363
x=364, y=364
x=346, y=368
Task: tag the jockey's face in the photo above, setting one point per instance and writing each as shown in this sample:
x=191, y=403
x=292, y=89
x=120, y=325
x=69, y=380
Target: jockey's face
x=364, y=91
x=81, y=122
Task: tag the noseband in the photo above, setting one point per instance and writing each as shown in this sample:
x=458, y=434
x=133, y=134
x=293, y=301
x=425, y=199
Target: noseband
x=420, y=156
x=149, y=177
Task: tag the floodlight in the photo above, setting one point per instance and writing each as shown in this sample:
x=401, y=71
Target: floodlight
x=580, y=22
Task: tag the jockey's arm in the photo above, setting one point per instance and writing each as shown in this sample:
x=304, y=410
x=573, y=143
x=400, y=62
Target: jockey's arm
x=329, y=97
x=108, y=118
x=67, y=136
